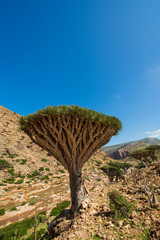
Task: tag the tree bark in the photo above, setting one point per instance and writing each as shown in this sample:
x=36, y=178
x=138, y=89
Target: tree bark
x=77, y=191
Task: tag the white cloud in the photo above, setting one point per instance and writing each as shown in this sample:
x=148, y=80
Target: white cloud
x=154, y=134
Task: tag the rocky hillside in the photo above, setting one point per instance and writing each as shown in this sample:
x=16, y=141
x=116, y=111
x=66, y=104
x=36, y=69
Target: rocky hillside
x=32, y=182
x=120, y=151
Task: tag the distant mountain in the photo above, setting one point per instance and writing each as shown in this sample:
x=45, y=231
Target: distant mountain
x=127, y=147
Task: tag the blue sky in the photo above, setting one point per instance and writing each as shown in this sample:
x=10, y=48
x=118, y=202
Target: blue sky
x=98, y=54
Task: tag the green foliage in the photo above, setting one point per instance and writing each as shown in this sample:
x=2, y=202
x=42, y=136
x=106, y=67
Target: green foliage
x=140, y=165
x=139, y=154
x=34, y=174
x=39, y=234
x=2, y=212
x=41, y=169
x=59, y=208
x=13, y=209
x=61, y=171
x=17, y=229
x=96, y=237
x=120, y=165
x=19, y=181
x=45, y=177
x=42, y=217
x=23, y=161
x=74, y=111
x=11, y=171
x=112, y=172
x=119, y=205
x=2, y=184
x=4, y=164
x=44, y=160
x=22, y=204
x=9, y=180
x=47, y=169
x=13, y=155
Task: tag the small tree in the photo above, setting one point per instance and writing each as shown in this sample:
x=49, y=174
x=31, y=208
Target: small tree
x=152, y=149
x=71, y=134
x=141, y=155
x=113, y=172
x=124, y=166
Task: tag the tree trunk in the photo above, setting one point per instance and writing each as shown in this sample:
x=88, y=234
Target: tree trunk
x=77, y=191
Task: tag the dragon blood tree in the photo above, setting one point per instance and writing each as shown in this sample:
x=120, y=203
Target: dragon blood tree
x=141, y=155
x=71, y=134
x=152, y=149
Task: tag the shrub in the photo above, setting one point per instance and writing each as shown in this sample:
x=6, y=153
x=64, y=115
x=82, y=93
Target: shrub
x=44, y=160
x=11, y=171
x=17, y=230
x=119, y=205
x=19, y=181
x=13, y=155
x=61, y=171
x=9, y=180
x=34, y=174
x=41, y=169
x=2, y=212
x=45, y=177
x=23, y=161
x=42, y=217
x=47, y=169
x=59, y=208
x=39, y=234
x=4, y=164
x=13, y=209
x=23, y=203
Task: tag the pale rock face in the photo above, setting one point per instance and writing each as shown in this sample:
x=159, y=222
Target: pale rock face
x=119, y=154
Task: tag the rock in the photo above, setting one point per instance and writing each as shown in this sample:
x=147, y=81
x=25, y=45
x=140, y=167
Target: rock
x=120, y=223
x=2, y=191
x=133, y=215
x=85, y=203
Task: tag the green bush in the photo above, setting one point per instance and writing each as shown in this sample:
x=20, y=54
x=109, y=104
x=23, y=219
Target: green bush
x=119, y=205
x=61, y=171
x=44, y=160
x=41, y=169
x=23, y=161
x=34, y=174
x=120, y=165
x=45, y=177
x=13, y=209
x=39, y=234
x=47, y=169
x=23, y=203
x=9, y=180
x=11, y=171
x=17, y=230
x=59, y=208
x=42, y=218
x=13, y=155
x=2, y=212
x=4, y=164
x=19, y=181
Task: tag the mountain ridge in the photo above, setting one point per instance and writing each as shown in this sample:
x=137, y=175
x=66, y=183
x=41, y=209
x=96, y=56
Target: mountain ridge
x=131, y=145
